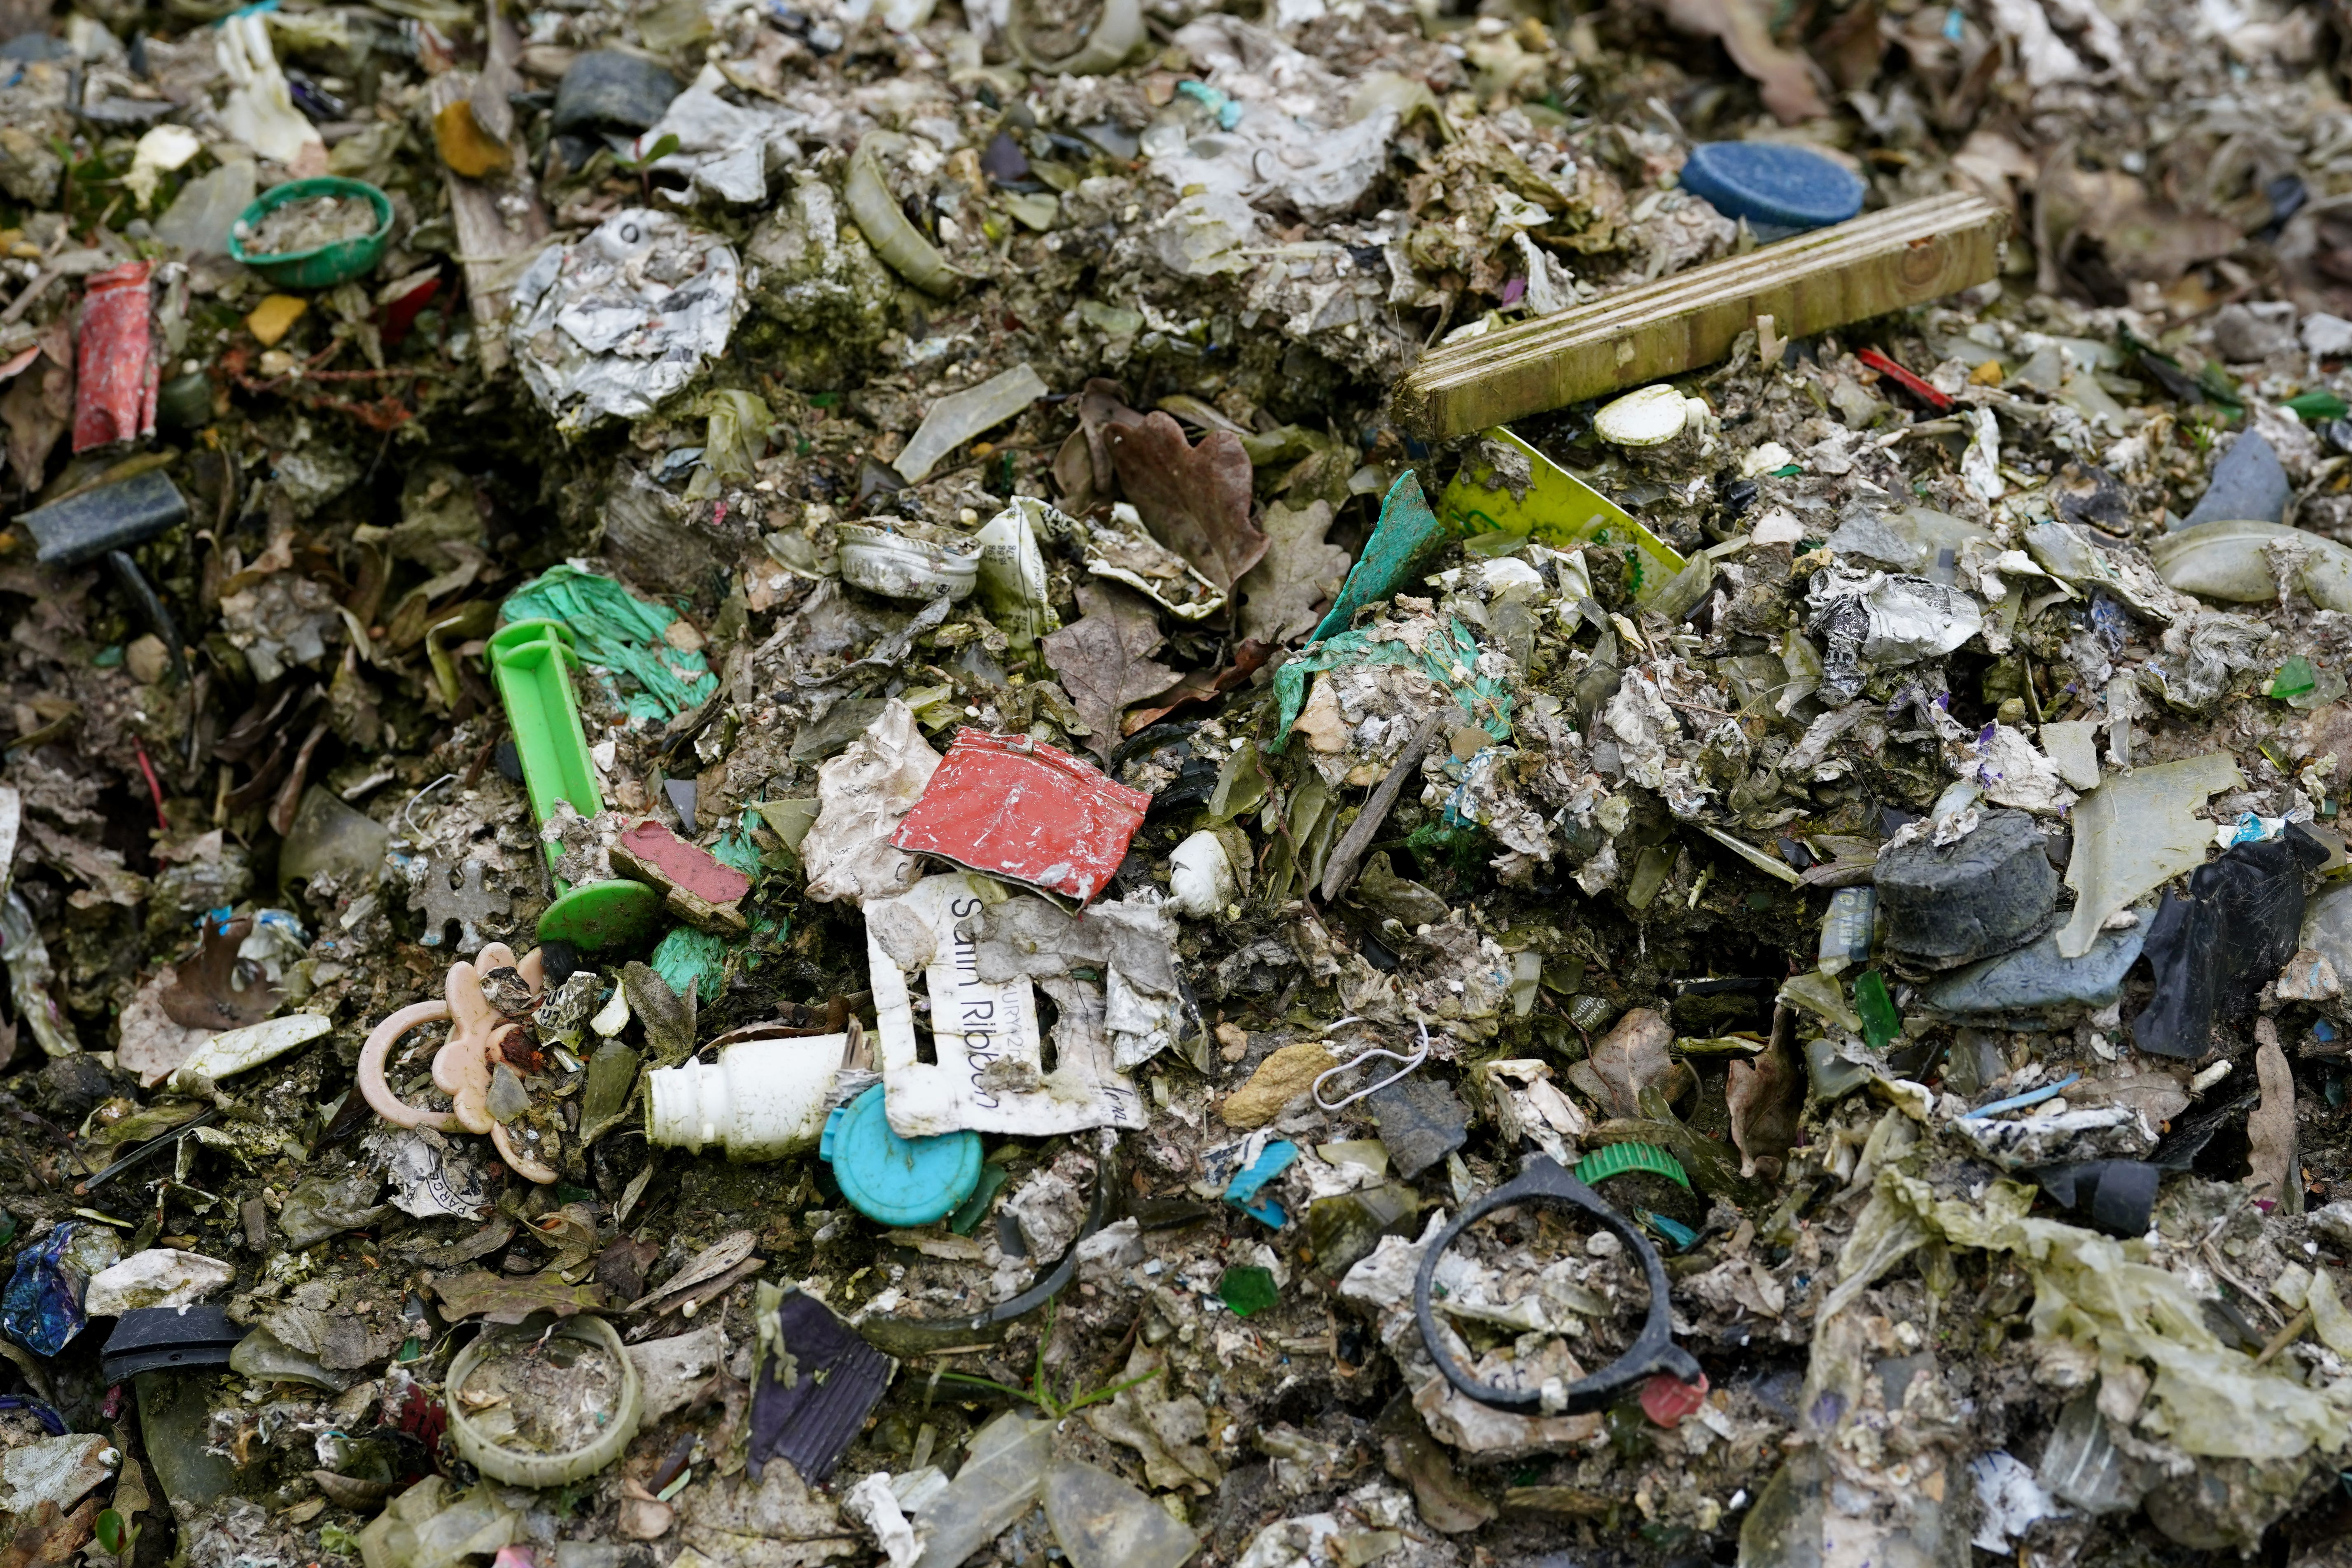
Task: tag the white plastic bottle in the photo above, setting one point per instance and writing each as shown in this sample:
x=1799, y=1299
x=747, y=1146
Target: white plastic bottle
x=761, y=1100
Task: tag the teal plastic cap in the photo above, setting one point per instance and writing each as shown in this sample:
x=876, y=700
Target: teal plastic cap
x=897, y=1181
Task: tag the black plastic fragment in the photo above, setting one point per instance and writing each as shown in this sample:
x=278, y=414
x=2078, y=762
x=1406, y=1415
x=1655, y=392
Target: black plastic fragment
x=2118, y=1195
x=1421, y=1123
x=163, y=1338
x=608, y=89
x=112, y=517
x=150, y=607
x=1543, y=1184
x=810, y=1423
x=2192, y=1131
x=2213, y=952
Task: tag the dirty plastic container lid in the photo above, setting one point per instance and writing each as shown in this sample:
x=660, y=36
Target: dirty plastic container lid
x=897, y=1181
x=1773, y=185
x=520, y=1468
x=321, y=265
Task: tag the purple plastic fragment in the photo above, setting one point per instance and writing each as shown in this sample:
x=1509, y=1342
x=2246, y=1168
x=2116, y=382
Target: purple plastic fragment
x=41, y=1310
x=810, y=1424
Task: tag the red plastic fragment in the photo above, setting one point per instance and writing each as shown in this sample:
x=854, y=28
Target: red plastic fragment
x=684, y=865
x=1933, y=401
x=401, y=311
x=1666, y=1399
x=1010, y=806
x=114, y=384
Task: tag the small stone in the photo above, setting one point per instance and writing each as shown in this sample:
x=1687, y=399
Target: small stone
x=508, y=1098
x=2329, y=337
x=147, y=659
x=2036, y=976
x=508, y=991
x=1420, y=1122
x=611, y=88
x=2253, y=330
x=1280, y=1079
x=2309, y=977
x=159, y=1277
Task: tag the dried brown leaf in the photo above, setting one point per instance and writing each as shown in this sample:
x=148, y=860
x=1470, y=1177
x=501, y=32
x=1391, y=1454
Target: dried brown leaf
x=1765, y=1096
x=48, y=1537
x=499, y=1299
x=2270, y=1131
x=1104, y=659
x=1786, y=79
x=1194, y=499
x=1298, y=572
x=1630, y=1059
x=1082, y=467
x=204, y=994
x=1201, y=686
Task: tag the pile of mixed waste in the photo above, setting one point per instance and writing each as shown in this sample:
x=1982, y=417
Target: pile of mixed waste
x=1302, y=786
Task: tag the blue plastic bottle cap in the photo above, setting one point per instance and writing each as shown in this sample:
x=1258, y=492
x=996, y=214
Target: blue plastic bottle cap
x=1772, y=185
x=897, y=1181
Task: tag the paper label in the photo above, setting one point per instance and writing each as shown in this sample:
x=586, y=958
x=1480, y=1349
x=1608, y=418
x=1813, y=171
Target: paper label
x=986, y=1072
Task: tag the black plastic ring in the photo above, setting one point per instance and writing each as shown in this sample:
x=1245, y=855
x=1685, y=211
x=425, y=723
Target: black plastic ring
x=1544, y=1181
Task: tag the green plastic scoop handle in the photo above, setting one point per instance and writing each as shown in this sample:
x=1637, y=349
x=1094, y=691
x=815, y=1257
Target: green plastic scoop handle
x=532, y=662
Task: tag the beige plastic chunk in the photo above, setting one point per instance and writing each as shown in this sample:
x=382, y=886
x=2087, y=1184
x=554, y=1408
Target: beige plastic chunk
x=961, y=416
x=234, y=1050
x=2136, y=832
x=2074, y=746
x=2231, y=560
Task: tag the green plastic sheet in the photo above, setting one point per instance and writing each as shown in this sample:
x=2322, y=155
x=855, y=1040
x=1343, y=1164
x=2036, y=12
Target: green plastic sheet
x=1450, y=658
x=618, y=634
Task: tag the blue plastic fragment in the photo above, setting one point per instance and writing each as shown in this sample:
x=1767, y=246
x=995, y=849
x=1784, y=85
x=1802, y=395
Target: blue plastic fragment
x=1228, y=112
x=41, y=1309
x=1681, y=1235
x=2020, y=1101
x=1239, y=1192
x=1774, y=186
x=1404, y=539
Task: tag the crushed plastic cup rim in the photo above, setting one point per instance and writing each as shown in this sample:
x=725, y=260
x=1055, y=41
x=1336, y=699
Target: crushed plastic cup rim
x=898, y=567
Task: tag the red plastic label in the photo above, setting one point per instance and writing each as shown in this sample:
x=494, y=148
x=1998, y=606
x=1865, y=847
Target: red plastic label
x=114, y=385
x=1008, y=806
x=687, y=866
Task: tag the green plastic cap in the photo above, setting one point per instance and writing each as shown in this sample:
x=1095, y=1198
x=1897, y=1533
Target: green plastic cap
x=618, y=916
x=898, y=1182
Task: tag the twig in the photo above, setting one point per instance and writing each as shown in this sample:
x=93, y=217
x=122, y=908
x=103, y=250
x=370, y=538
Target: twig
x=2294, y=1329
x=1345, y=860
x=31, y=292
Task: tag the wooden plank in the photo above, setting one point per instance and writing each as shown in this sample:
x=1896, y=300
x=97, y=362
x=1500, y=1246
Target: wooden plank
x=501, y=224
x=1885, y=261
